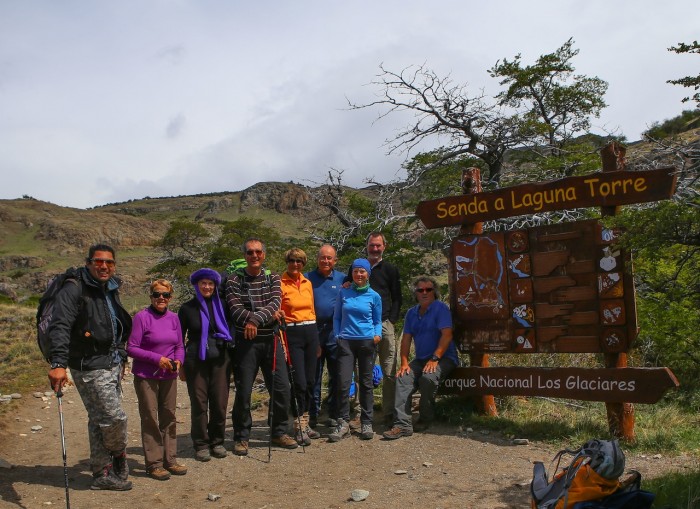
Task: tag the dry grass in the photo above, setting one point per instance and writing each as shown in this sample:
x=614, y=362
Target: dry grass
x=22, y=368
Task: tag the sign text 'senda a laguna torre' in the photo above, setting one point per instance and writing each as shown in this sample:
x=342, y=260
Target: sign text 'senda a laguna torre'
x=601, y=189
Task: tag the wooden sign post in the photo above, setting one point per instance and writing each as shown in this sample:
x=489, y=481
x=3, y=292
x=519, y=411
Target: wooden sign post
x=565, y=288
x=471, y=185
x=620, y=413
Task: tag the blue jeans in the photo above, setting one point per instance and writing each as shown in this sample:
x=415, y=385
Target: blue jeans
x=329, y=356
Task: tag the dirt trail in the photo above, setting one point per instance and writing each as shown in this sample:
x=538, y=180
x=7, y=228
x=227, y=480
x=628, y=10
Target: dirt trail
x=442, y=468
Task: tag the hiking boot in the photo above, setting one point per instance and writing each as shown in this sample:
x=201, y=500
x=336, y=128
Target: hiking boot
x=285, y=442
x=306, y=431
x=240, y=448
x=332, y=423
x=355, y=423
x=302, y=437
x=159, y=474
x=176, y=469
x=300, y=434
x=218, y=451
x=367, y=433
x=342, y=430
x=396, y=432
x=312, y=433
x=313, y=421
x=107, y=480
x=120, y=466
x=202, y=455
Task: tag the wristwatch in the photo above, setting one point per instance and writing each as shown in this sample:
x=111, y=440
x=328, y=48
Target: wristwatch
x=435, y=358
x=55, y=365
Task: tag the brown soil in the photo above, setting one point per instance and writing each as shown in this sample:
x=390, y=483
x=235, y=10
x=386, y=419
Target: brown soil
x=444, y=467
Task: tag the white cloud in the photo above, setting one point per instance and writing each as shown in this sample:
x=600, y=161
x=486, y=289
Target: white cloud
x=178, y=97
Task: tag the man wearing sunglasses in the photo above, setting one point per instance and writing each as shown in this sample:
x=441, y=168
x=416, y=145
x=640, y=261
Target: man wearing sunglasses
x=254, y=298
x=429, y=326
x=88, y=331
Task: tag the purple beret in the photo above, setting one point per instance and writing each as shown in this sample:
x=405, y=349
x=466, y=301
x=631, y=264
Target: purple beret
x=205, y=274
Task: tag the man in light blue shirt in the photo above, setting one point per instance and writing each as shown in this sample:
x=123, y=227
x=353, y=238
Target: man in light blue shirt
x=326, y=281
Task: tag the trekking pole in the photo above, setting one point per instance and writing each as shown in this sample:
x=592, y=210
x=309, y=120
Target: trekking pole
x=59, y=396
x=290, y=372
x=271, y=412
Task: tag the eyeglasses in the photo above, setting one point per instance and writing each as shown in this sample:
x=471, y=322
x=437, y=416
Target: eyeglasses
x=252, y=252
x=296, y=260
x=102, y=261
x=158, y=295
x=424, y=290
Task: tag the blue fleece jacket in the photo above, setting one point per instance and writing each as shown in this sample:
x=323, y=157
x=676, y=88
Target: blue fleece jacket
x=358, y=314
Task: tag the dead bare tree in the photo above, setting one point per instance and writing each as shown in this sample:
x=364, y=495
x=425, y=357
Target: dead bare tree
x=468, y=124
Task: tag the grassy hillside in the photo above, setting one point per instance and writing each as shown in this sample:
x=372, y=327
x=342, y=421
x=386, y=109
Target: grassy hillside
x=38, y=239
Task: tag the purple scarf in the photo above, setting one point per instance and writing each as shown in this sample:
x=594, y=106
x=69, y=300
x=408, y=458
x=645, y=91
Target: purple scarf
x=220, y=325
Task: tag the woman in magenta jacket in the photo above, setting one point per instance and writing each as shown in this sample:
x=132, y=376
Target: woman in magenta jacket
x=156, y=346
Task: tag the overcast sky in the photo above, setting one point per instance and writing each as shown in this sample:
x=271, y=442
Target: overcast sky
x=104, y=101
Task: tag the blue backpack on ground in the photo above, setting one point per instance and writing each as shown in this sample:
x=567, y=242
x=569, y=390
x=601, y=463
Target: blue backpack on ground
x=377, y=376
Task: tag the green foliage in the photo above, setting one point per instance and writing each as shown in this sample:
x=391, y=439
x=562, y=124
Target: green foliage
x=555, y=104
x=688, y=81
x=666, y=426
x=359, y=204
x=18, y=273
x=229, y=245
x=189, y=246
x=666, y=242
x=687, y=120
x=435, y=179
x=676, y=490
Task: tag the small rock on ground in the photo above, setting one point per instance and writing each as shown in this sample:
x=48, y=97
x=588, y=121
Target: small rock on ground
x=359, y=495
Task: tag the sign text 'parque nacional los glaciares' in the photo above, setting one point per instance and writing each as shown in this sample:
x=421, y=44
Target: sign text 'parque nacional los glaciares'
x=636, y=385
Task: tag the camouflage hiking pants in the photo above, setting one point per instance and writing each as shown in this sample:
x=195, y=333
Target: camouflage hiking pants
x=101, y=392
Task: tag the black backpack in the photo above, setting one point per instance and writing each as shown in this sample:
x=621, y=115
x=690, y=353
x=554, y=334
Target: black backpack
x=44, y=312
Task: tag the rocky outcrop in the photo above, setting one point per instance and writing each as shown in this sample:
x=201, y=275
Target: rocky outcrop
x=116, y=230
x=216, y=205
x=278, y=196
x=14, y=262
x=8, y=291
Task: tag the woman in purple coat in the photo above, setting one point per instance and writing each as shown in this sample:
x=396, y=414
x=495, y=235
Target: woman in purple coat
x=156, y=346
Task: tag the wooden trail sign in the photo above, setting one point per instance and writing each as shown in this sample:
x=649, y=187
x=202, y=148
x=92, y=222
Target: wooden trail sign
x=634, y=385
x=559, y=288
x=606, y=189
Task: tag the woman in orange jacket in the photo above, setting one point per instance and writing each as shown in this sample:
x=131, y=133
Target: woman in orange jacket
x=297, y=309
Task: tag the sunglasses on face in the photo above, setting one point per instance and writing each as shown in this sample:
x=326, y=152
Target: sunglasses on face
x=102, y=261
x=424, y=290
x=158, y=295
x=295, y=260
x=252, y=252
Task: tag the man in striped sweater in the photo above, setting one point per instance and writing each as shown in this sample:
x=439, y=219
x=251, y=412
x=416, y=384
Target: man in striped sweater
x=253, y=297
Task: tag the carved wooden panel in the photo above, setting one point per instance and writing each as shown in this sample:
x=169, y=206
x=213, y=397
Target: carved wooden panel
x=558, y=288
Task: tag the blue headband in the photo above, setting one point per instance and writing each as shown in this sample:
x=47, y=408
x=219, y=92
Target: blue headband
x=362, y=263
